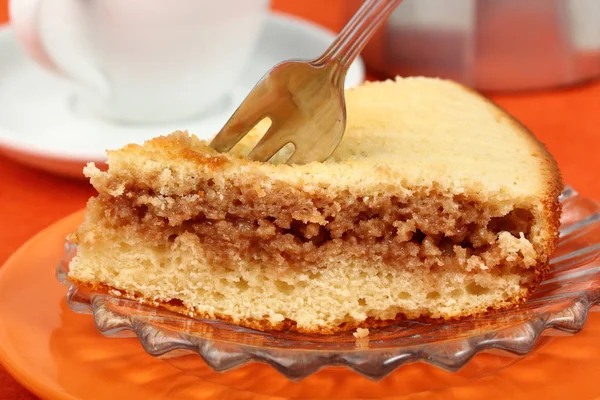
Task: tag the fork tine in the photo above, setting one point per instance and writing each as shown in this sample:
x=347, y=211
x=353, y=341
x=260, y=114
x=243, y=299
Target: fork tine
x=305, y=157
x=247, y=115
x=271, y=142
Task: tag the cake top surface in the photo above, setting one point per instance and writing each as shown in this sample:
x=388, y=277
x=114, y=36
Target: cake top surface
x=403, y=134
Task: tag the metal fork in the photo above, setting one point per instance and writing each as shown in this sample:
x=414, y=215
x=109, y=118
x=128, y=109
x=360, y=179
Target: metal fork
x=305, y=99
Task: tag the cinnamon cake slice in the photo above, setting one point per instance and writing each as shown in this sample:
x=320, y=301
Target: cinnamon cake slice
x=436, y=204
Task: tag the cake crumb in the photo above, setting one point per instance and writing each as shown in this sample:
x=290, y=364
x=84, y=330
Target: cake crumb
x=361, y=333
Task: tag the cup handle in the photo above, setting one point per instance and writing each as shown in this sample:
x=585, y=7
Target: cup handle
x=25, y=18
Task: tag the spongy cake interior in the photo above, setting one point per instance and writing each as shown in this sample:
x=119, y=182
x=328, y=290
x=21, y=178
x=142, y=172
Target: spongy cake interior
x=424, y=210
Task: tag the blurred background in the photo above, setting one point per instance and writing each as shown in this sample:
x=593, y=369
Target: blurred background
x=538, y=59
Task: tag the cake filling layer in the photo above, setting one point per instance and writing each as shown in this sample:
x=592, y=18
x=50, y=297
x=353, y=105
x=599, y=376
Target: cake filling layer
x=387, y=230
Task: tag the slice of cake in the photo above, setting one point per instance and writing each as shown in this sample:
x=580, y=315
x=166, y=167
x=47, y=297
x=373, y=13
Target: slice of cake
x=436, y=204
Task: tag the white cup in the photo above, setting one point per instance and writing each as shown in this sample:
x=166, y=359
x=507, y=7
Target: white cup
x=142, y=61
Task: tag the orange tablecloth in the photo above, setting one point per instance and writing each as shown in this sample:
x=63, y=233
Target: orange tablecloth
x=567, y=120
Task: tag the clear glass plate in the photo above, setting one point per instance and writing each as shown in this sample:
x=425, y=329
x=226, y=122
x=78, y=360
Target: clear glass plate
x=560, y=304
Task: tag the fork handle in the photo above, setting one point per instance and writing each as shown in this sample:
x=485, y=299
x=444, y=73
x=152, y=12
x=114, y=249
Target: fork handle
x=356, y=34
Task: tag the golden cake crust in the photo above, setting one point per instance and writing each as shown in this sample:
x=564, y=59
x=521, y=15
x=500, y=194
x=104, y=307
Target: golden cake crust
x=352, y=156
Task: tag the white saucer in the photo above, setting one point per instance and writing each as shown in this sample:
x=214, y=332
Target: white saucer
x=40, y=127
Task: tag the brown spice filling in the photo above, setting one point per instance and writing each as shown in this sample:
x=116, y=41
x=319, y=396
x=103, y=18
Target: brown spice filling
x=283, y=232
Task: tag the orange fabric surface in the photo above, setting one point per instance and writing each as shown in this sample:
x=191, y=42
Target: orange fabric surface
x=567, y=120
